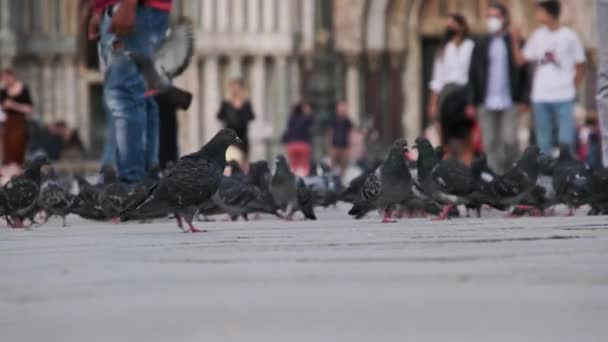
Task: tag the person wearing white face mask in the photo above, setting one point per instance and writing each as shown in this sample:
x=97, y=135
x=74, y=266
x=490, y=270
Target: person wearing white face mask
x=559, y=58
x=497, y=85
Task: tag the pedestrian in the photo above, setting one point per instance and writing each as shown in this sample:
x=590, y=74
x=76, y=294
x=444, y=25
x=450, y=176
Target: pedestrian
x=236, y=112
x=497, y=85
x=339, y=138
x=602, y=93
x=298, y=139
x=559, y=59
x=135, y=26
x=16, y=103
x=448, y=89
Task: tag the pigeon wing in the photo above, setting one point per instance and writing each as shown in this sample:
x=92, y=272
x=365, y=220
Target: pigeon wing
x=175, y=51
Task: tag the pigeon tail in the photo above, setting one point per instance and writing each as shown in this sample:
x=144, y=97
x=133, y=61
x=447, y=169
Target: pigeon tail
x=149, y=207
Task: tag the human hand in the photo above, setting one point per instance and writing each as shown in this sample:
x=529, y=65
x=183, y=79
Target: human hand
x=123, y=21
x=93, y=29
x=515, y=34
x=470, y=111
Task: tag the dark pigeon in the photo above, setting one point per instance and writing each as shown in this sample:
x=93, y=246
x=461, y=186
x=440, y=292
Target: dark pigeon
x=54, y=199
x=86, y=203
x=139, y=192
x=572, y=180
x=599, y=192
x=190, y=183
x=517, y=183
x=286, y=192
x=22, y=192
x=260, y=177
x=483, y=177
x=448, y=182
x=114, y=196
x=389, y=185
x=542, y=196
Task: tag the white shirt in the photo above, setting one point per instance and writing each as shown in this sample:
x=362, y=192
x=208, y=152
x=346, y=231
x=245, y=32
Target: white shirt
x=498, y=94
x=453, y=65
x=556, y=54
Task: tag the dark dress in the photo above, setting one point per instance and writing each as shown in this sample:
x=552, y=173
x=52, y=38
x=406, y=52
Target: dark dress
x=455, y=125
x=238, y=119
x=15, y=128
x=341, y=132
x=298, y=129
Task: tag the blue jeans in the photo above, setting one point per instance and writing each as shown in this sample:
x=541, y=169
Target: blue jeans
x=549, y=116
x=134, y=118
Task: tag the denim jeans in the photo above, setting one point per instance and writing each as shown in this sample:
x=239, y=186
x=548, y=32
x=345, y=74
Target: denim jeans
x=134, y=118
x=549, y=116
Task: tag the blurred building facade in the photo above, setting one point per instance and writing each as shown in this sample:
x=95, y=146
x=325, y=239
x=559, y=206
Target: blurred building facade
x=376, y=54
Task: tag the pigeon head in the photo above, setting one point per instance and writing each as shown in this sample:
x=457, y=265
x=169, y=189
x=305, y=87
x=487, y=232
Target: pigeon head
x=427, y=157
x=479, y=165
x=281, y=163
x=33, y=167
x=227, y=137
x=396, y=157
x=529, y=160
x=546, y=164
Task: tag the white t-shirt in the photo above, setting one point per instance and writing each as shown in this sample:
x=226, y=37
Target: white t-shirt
x=556, y=54
x=453, y=65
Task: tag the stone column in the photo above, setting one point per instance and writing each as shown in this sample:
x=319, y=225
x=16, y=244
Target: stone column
x=222, y=16
x=253, y=16
x=211, y=96
x=373, y=102
x=352, y=87
x=396, y=95
x=282, y=96
x=59, y=88
x=268, y=15
x=5, y=16
x=208, y=15
x=46, y=97
x=305, y=76
x=235, y=66
x=308, y=25
x=284, y=15
x=259, y=129
x=238, y=15
x=69, y=66
x=295, y=93
x=412, y=74
x=190, y=128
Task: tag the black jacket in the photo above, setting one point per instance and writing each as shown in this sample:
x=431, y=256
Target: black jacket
x=478, y=73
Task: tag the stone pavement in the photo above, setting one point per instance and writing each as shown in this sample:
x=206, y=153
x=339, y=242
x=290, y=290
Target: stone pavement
x=337, y=279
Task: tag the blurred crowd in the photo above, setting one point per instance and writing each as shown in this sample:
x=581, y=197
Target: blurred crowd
x=480, y=86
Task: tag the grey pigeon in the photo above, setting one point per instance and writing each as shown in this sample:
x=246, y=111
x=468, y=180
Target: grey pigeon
x=22, y=192
x=448, y=182
x=389, y=185
x=191, y=182
x=54, y=199
x=572, y=180
x=287, y=191
x=86, y=203
x=169, y=61
x=260, y=177
x=543, y=195
x=113, y=196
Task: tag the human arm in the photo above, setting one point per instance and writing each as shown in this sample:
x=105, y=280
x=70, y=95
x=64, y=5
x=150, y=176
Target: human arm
x=123, y=21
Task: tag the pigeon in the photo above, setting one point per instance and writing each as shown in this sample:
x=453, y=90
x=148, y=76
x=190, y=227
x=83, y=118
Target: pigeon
x=54, y=199
x=518, y=182
x=599, y=192
x=22, y=192
x=572, y=180
x=114, y=195
x=483, y=178
x=191, y=182
x=260, y=177
x=139, y=192
x=288, y=192
x=86, y=204
x=389, y=185
x=448, y=182
x=171, y=59
x=543, y=194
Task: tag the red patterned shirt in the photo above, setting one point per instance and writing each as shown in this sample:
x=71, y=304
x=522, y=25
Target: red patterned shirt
x=163, y=5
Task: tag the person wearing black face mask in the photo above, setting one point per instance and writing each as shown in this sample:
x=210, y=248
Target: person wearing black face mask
x=450, y=77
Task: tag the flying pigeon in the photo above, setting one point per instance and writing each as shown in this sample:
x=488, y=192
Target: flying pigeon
x=389, y=185
x=191, y=182
x=169, y=61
